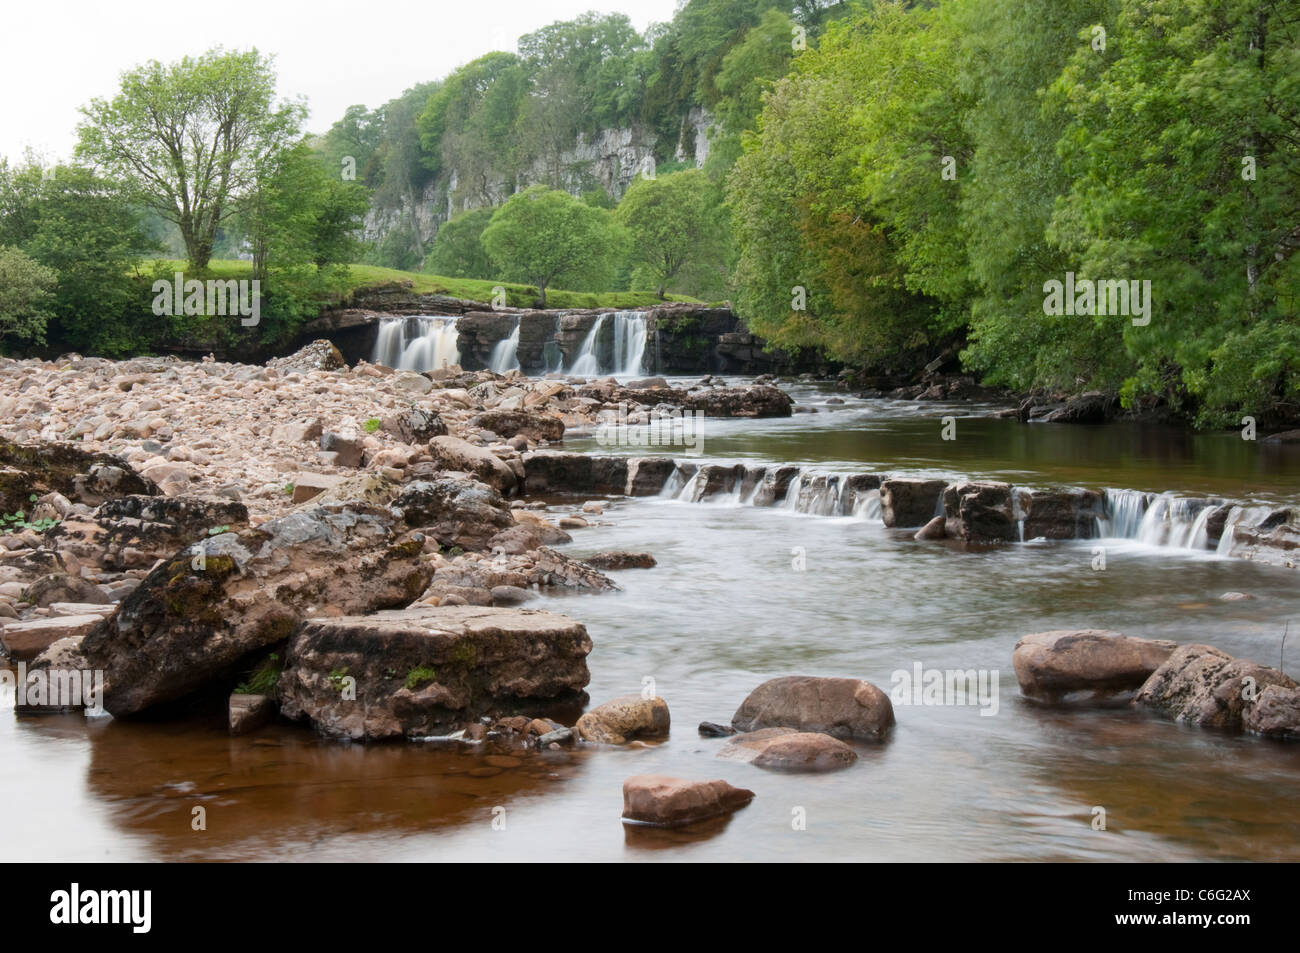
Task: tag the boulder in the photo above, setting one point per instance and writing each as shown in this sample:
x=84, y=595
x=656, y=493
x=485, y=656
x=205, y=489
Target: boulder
x=61, y=587
x=646, y=476
x=425, y=670
x=625, y=719
x=1085, y=664
x=908, y=502
x=546, y=531
x=348, y=448
x=308, y=486
x=319, y=355
x=840, y=707
x=198, y=614
x=935, y=529
x=1202, y=685
x=415, y=425
x=452, y=453
x=785, y=749
x=619, y=560
x=1276, y=713
x=456, y=511
x=511, y=423
x=661, y=801
x=1060, y=513
x=134, y=532
x=774, y=485
x=551, y=471
x=1093, y=407
x=979, y=512
x=249, y=712
x=1273, y=538
x=762, y=400
x=82, y=477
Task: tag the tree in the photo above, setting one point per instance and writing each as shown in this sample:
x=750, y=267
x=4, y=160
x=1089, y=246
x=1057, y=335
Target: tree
x=671, y=220
x=190, y=137
x=26, y=297
x=458, y=247
x=545, y=236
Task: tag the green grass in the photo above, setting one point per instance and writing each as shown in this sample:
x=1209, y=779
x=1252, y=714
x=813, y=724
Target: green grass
x=362, y=277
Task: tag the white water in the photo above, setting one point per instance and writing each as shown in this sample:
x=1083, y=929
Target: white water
x=505, y=355
x=1158, y=520
x=629, y=346
x=418, y=343
x=588, y=364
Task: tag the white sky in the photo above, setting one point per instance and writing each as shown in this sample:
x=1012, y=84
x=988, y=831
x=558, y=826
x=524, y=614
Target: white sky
x=56, y=55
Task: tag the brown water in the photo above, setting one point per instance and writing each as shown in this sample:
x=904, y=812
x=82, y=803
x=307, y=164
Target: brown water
x=726, y=609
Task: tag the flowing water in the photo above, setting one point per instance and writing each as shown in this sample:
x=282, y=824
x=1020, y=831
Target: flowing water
x=505, y=353
x=627, y=349
x=743, y=593
x=419, y=342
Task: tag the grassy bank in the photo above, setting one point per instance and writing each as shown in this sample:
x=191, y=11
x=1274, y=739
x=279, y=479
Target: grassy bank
x=362, y=277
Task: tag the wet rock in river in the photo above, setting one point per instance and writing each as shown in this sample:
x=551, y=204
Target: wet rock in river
x=424, y=671
x=1202, y=685
x=979, y=512
x=1276, y=713
x=785, y=749
x=621, y=560
x=840, y=707
x=624, y=719
x=202, y=611
x=663, y=801
x=910, y=502
x=1091, y=664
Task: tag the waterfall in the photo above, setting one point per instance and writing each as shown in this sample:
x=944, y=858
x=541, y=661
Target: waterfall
x=1161, y=520
x=1239, y=514
x=588, y=364
x=867, y=507
x=630, y=336
x=552, y=356
x=417, y=343
x=629, y=343
x=505, y=354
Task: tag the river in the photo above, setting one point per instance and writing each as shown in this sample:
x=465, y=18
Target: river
x=742, y=594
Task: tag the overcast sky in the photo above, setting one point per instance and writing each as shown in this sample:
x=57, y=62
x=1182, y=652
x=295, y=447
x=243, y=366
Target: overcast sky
x=56, y=55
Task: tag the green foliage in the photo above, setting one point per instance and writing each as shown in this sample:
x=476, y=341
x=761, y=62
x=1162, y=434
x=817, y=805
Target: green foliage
x=373, y=424
x=458, y=248
x=17, y=521
x=673, y=221
x=264, y=679
x=546, y=237
x=26, y=298
x=418, y=676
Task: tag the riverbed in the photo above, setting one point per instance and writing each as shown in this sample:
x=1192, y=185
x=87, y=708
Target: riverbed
x=742, y=594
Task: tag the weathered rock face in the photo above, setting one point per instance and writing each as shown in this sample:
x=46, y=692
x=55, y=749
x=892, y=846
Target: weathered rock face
x=1060, y=514
x=1274, y=539
x=1091, y=664
x=908, y=502
x=1093, y=407
x=549, y=471
x=774, y=485
x=474, y=577
x=661, y=801
x=452, y=453
x=646, y=476
x=426, y=671
x=415, y=425
x=319, y=355
x=510, y=423
x=785, y=749
x=28, y=639
x=763, y=400
x=840, y=707
x=134, y=532
x=623, y=719
x=1202, y=685
x=456, y=511
x=201, y=612
x=478, y=332
x=716, y=480
x=82, y=477
x=1276, y=713
x=979, y=512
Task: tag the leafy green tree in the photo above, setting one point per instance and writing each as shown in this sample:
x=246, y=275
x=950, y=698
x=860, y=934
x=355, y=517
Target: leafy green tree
x=26, y=298
x=547, y=237
x=458, y=247
x=189, y=137
x=672, y=221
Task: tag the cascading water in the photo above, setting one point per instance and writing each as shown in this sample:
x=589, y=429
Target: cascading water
x=630, y=336
x=588, y=364
x=629, y=342
x=1160, y=520
x=552, y=356
x=417, y=343
x=505, y=354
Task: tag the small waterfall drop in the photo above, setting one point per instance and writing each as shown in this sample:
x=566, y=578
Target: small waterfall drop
x=629, y=343
x=588, y=364
x=505, y=354
x=417, y=343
